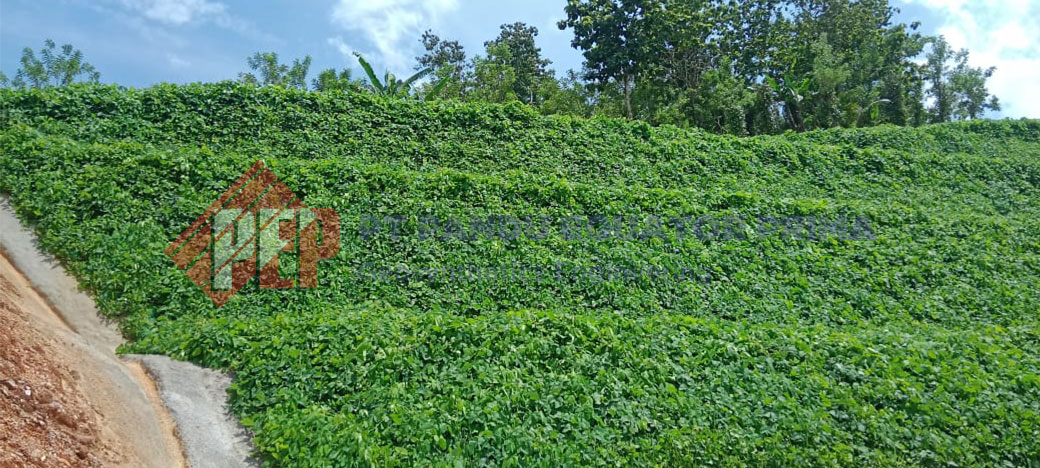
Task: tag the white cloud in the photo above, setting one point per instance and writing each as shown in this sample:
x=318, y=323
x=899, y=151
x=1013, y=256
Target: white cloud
x=391, y=27
x=341, y=45
x=147, y=31
x=1004, y=34
x=176, y=12
x=176, y=61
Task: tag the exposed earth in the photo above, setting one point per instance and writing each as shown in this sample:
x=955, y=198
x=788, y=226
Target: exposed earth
x=66, y=398
x=52, y=400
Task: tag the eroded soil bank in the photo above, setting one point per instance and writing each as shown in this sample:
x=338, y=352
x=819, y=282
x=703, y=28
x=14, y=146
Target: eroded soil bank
x=65, y=403
x=66, y=398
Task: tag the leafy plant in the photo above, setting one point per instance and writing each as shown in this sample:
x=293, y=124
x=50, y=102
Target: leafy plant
x=918, y=347
x=392, y=87
x=792, y=91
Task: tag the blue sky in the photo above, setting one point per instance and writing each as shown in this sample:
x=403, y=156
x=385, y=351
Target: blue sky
x=142, y=42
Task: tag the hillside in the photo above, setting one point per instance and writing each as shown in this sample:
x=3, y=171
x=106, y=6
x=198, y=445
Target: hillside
x=914, y=342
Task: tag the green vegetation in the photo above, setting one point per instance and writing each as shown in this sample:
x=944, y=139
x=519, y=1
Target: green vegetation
x=752, y=67
x=710, y=64
x=920, y=347
x=391, y=86
x=51, y=68
x=268, y=72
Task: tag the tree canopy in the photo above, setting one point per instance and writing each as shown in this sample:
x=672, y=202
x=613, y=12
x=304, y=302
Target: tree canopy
x=267, y=71
x=53, y=67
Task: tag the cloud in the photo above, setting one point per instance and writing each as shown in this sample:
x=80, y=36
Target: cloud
x=390, y=28
x=147, y=31
x=176, y=12
x=176, y=61
x=341, y=45
x=1004, y=34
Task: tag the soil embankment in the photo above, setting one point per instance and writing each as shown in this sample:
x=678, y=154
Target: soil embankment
x=66, y=399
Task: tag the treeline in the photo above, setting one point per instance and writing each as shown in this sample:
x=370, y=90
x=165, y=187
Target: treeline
x=744, y=68
x=763, y=66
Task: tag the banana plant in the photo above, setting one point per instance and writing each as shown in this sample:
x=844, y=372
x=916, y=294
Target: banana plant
x=795, y=89
x=390, y=86
x=792, y=91
x=875, y=110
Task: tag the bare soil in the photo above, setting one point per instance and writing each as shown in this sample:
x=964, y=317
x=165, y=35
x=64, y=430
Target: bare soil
x=56, y=396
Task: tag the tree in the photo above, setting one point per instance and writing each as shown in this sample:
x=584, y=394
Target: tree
x=792, y=92
x=441, y=54
x=972, y=98
x=272, y=73
x=568, y=96
x=617, y=39
x=53, y=69
x=719, y=103
x=861, y=64
x=329, y=80
x=525, y=58
x=937, y=74
x=957, y=89
x=829, y=74
x=494, y=80
x=900, y=82
x=763, y=66
x=804, y=63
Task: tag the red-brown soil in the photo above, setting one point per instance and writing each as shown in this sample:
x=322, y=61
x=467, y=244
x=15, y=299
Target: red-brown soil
x=48, y=415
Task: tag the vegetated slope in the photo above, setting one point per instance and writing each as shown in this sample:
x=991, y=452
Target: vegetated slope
x=916, y=346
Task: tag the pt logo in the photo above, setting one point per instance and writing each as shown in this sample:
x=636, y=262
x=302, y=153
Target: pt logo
x=242, y=234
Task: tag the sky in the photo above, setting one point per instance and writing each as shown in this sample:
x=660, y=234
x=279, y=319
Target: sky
x=142, y=42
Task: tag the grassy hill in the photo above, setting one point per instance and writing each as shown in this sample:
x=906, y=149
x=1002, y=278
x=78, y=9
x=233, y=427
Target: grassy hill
x=914, y=345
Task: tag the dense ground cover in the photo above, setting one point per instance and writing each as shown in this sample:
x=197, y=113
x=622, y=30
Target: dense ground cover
x=916, y=346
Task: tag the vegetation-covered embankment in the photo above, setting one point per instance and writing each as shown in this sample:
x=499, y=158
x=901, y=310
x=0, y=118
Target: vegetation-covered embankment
x=919, y=346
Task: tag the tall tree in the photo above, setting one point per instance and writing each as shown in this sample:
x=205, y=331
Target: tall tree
x=567, y=96
x=856, y=41
x=442, y=54
x=524, y=57
x=269, y=72
x=617, y=39
x=937, y=73
x=969, y=87
x=762, y=66
x=53, y=68
x=900, y=81
x=494, y=79
x=803, y=63
x=829, y=75
x=958, y=90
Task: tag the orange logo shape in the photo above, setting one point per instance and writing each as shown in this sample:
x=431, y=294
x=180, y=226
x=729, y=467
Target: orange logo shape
x=253, y=221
